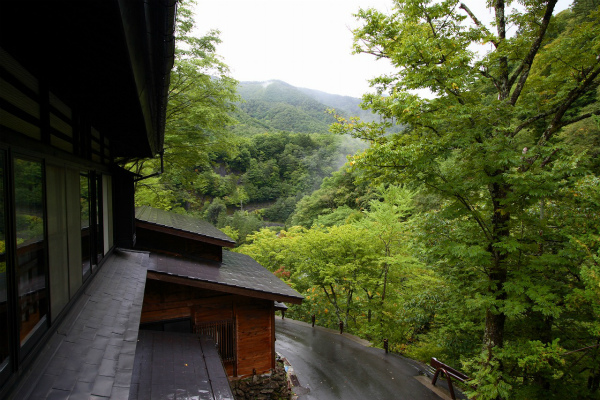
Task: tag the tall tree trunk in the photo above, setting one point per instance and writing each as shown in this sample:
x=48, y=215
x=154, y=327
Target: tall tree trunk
x=542, y=331
x=348, y=303
x=333, y=300
x=385, y=278
x=494, y=317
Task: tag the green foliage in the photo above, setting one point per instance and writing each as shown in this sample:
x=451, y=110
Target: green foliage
x=271, y=171
x=281, y=209
x=500, y=150
x=481, y=246
x=28, y=176
x=359, y=271
x=214, y=211
x=240, y=223
x=276, y=106
x=29, y=227
x=201, y=100
x=338, y=194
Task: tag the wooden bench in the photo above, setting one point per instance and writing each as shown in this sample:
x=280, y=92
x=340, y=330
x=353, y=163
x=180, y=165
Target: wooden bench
x=450, y=373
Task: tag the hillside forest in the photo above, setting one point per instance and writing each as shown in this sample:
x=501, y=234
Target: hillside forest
x=453, y=210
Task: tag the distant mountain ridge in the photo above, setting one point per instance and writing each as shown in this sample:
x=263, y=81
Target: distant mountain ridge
x=345, y=105
x=278, y=106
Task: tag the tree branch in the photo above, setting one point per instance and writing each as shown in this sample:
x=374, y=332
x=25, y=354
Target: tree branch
x=556, y=122
x=532, y=120
x=580, y=118
x=573, y=95
x=477, y=22
x=523, y=69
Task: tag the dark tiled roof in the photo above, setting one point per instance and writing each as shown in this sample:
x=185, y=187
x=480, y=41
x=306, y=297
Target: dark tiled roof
x=172, y=365
x=237, y=271
x=180, y=222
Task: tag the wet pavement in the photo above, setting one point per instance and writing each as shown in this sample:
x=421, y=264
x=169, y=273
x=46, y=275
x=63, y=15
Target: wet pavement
x=333, y=366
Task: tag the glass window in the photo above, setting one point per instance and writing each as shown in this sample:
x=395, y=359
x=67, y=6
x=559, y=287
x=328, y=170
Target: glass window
x=84, y=198
x=99, y=220
x=31, y=264
x=4, y=340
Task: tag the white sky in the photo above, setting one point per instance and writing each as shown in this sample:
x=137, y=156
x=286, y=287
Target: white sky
x=306, y=43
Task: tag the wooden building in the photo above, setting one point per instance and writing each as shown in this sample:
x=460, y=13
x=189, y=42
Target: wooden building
x=83, y=90
x=193, y=285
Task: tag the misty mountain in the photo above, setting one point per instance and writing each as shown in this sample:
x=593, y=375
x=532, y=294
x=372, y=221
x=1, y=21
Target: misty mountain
x=344, y=105
x=277, y=106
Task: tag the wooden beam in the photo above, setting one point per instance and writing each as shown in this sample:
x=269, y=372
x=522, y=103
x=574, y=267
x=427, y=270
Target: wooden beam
x=158, y=276
x=183, y=234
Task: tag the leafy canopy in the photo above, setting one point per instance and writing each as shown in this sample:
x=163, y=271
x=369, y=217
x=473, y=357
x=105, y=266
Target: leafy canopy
x=201, y=99
x=490, y=140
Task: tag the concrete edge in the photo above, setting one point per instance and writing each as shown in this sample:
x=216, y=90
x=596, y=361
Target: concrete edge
x=440, y=391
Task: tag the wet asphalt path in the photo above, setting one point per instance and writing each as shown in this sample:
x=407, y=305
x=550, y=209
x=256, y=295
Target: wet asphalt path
x=331, y=366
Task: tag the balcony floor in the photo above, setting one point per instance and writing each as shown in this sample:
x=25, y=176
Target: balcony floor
x=92, y=354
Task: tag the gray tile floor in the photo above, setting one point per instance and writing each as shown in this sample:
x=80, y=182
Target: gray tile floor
x=91, y=354
x=175, y=366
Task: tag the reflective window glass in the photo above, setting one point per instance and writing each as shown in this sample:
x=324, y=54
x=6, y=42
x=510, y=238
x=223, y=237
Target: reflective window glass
x=99, y=220
x=32, y=305
x=4, y=344
x=84, y=198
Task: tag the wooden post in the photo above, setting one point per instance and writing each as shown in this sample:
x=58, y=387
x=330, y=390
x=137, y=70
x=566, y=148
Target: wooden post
x=385, y=345
x=313, y=320
x=341, y=327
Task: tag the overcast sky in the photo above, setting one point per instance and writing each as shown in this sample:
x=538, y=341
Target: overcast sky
x=306, y=43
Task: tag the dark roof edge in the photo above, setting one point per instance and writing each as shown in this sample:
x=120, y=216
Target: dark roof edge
x=183, y=233
x=167, y=277
x=151, y=58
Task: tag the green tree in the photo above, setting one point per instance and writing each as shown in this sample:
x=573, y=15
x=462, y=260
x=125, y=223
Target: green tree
x=215, y=209
x=339, y=190
x=387, y=221
x=201, y=100
x=488, y=141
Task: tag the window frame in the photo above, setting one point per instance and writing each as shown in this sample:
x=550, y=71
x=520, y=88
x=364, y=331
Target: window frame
x=7, y=371
x=25, y=349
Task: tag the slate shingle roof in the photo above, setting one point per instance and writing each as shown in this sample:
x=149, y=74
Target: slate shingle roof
x=236, y=272
x=183, y=223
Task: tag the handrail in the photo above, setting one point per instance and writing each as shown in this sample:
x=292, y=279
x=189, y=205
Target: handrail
x=449, y=372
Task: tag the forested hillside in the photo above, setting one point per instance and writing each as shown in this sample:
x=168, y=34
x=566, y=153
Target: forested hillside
x=276, y=106
x=473, y=235
x=270, y=148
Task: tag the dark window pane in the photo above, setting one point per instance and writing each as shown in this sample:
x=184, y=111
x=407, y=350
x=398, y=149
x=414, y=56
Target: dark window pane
x=4, y=349
x=31, y=271
x=84, y=196
x=99, y=219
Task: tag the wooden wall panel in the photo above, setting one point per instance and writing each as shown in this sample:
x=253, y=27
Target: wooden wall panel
x=254, y=320
x=184, y=301
x=213, y=312
x=254, y=326
x=165, y=315
x=171, y=244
